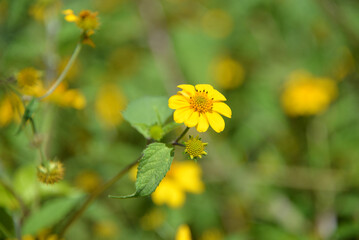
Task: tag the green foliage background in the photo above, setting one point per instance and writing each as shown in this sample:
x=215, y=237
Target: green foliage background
x=267, y=176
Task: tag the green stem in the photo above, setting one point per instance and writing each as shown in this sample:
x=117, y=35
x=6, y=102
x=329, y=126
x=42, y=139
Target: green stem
x=180, y=137
x=64, y=72
x=94, y=195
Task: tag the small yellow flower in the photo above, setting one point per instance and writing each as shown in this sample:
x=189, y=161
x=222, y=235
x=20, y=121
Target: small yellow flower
x=306, y=95
x=228, y=73
x=183, y=177
x=50, y=173
x=195, y=147
x=106, y=229
x=110, y=101
x=29, y=82
x=200, y=106
x=183, y=233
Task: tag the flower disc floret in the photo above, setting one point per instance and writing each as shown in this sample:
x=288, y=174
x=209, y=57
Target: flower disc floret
x=195, y=147
x=200, y=106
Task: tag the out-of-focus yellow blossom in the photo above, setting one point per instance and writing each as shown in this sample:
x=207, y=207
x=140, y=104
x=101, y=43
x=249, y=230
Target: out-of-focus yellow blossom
x=88, y=180
x=212, y=234
x=305, y=94
x=65, y=97
x=200, y=106
x=105, y=229
x=110, y=101
x=217, y=23
x=42, y=9
x=228, y=73
x=44, y=235
x=195, y=147
x=29, y=82
x=184, y=176
x=153, y=219
x=50, y=173
x=11, y=109
x=183, y=233
x=87, y=21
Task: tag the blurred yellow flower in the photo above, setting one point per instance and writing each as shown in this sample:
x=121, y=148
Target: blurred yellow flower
x=88, y=180
x=228, y=73
x=11, y=109
x=86, y=20
x=305, y=94
x=105, y=229
x=29, y=82
x=109, y=103
x=195, y=147
x=200, y=106
x=65, y=97
x=183, y=233
x=42, y=9
x=183, y=177
x=153, y=219
x=217, y=23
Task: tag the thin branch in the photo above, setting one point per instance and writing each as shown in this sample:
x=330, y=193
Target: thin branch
x=78, y=213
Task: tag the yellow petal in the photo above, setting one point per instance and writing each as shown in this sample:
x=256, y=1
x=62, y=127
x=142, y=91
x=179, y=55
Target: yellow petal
x=71, y=18
x=202, y=123
x=177, y=101
x=217, y=96
x=182, y=114
x=192, y=120
x=216, y=121
x=187, y=88
x=222, y=108
x=204, y=87
x=183, y=233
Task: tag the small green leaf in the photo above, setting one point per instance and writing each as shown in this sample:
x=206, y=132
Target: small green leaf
x=153, y=166
x=49, y=214
x=146, y=112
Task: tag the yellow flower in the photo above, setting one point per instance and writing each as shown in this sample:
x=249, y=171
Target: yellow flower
x=228, y=73
x=183, y=233
x=109, y=103
x=86, y=20
x=306, y=95
x=65, y=97
x=29, y=82
x=50, y=173
x=195, y=147
x=217, y=23
x=11, y=109
x=200, y=106
x=183, y=177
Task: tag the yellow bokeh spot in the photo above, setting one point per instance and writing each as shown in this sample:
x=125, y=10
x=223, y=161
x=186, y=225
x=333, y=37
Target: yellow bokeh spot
x=183, y=233
x=106, y=229
x=306, y=95
x=228, y=73
x=11, y=109
x=212, y=234
x=217, y=23
x=153, y=219
x=88, y=180
x=110, y=101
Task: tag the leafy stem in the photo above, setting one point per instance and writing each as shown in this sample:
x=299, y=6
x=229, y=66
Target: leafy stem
x=176, y=142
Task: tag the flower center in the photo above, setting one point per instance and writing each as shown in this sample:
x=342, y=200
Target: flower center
x=194, y=147
x=201, y=103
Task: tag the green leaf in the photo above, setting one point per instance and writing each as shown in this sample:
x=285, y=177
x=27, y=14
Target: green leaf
x=146, y=112
x=153, y=166
x=49, y=214
x=6, y=224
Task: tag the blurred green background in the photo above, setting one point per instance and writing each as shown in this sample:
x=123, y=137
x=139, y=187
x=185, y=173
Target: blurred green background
x=269, y=175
